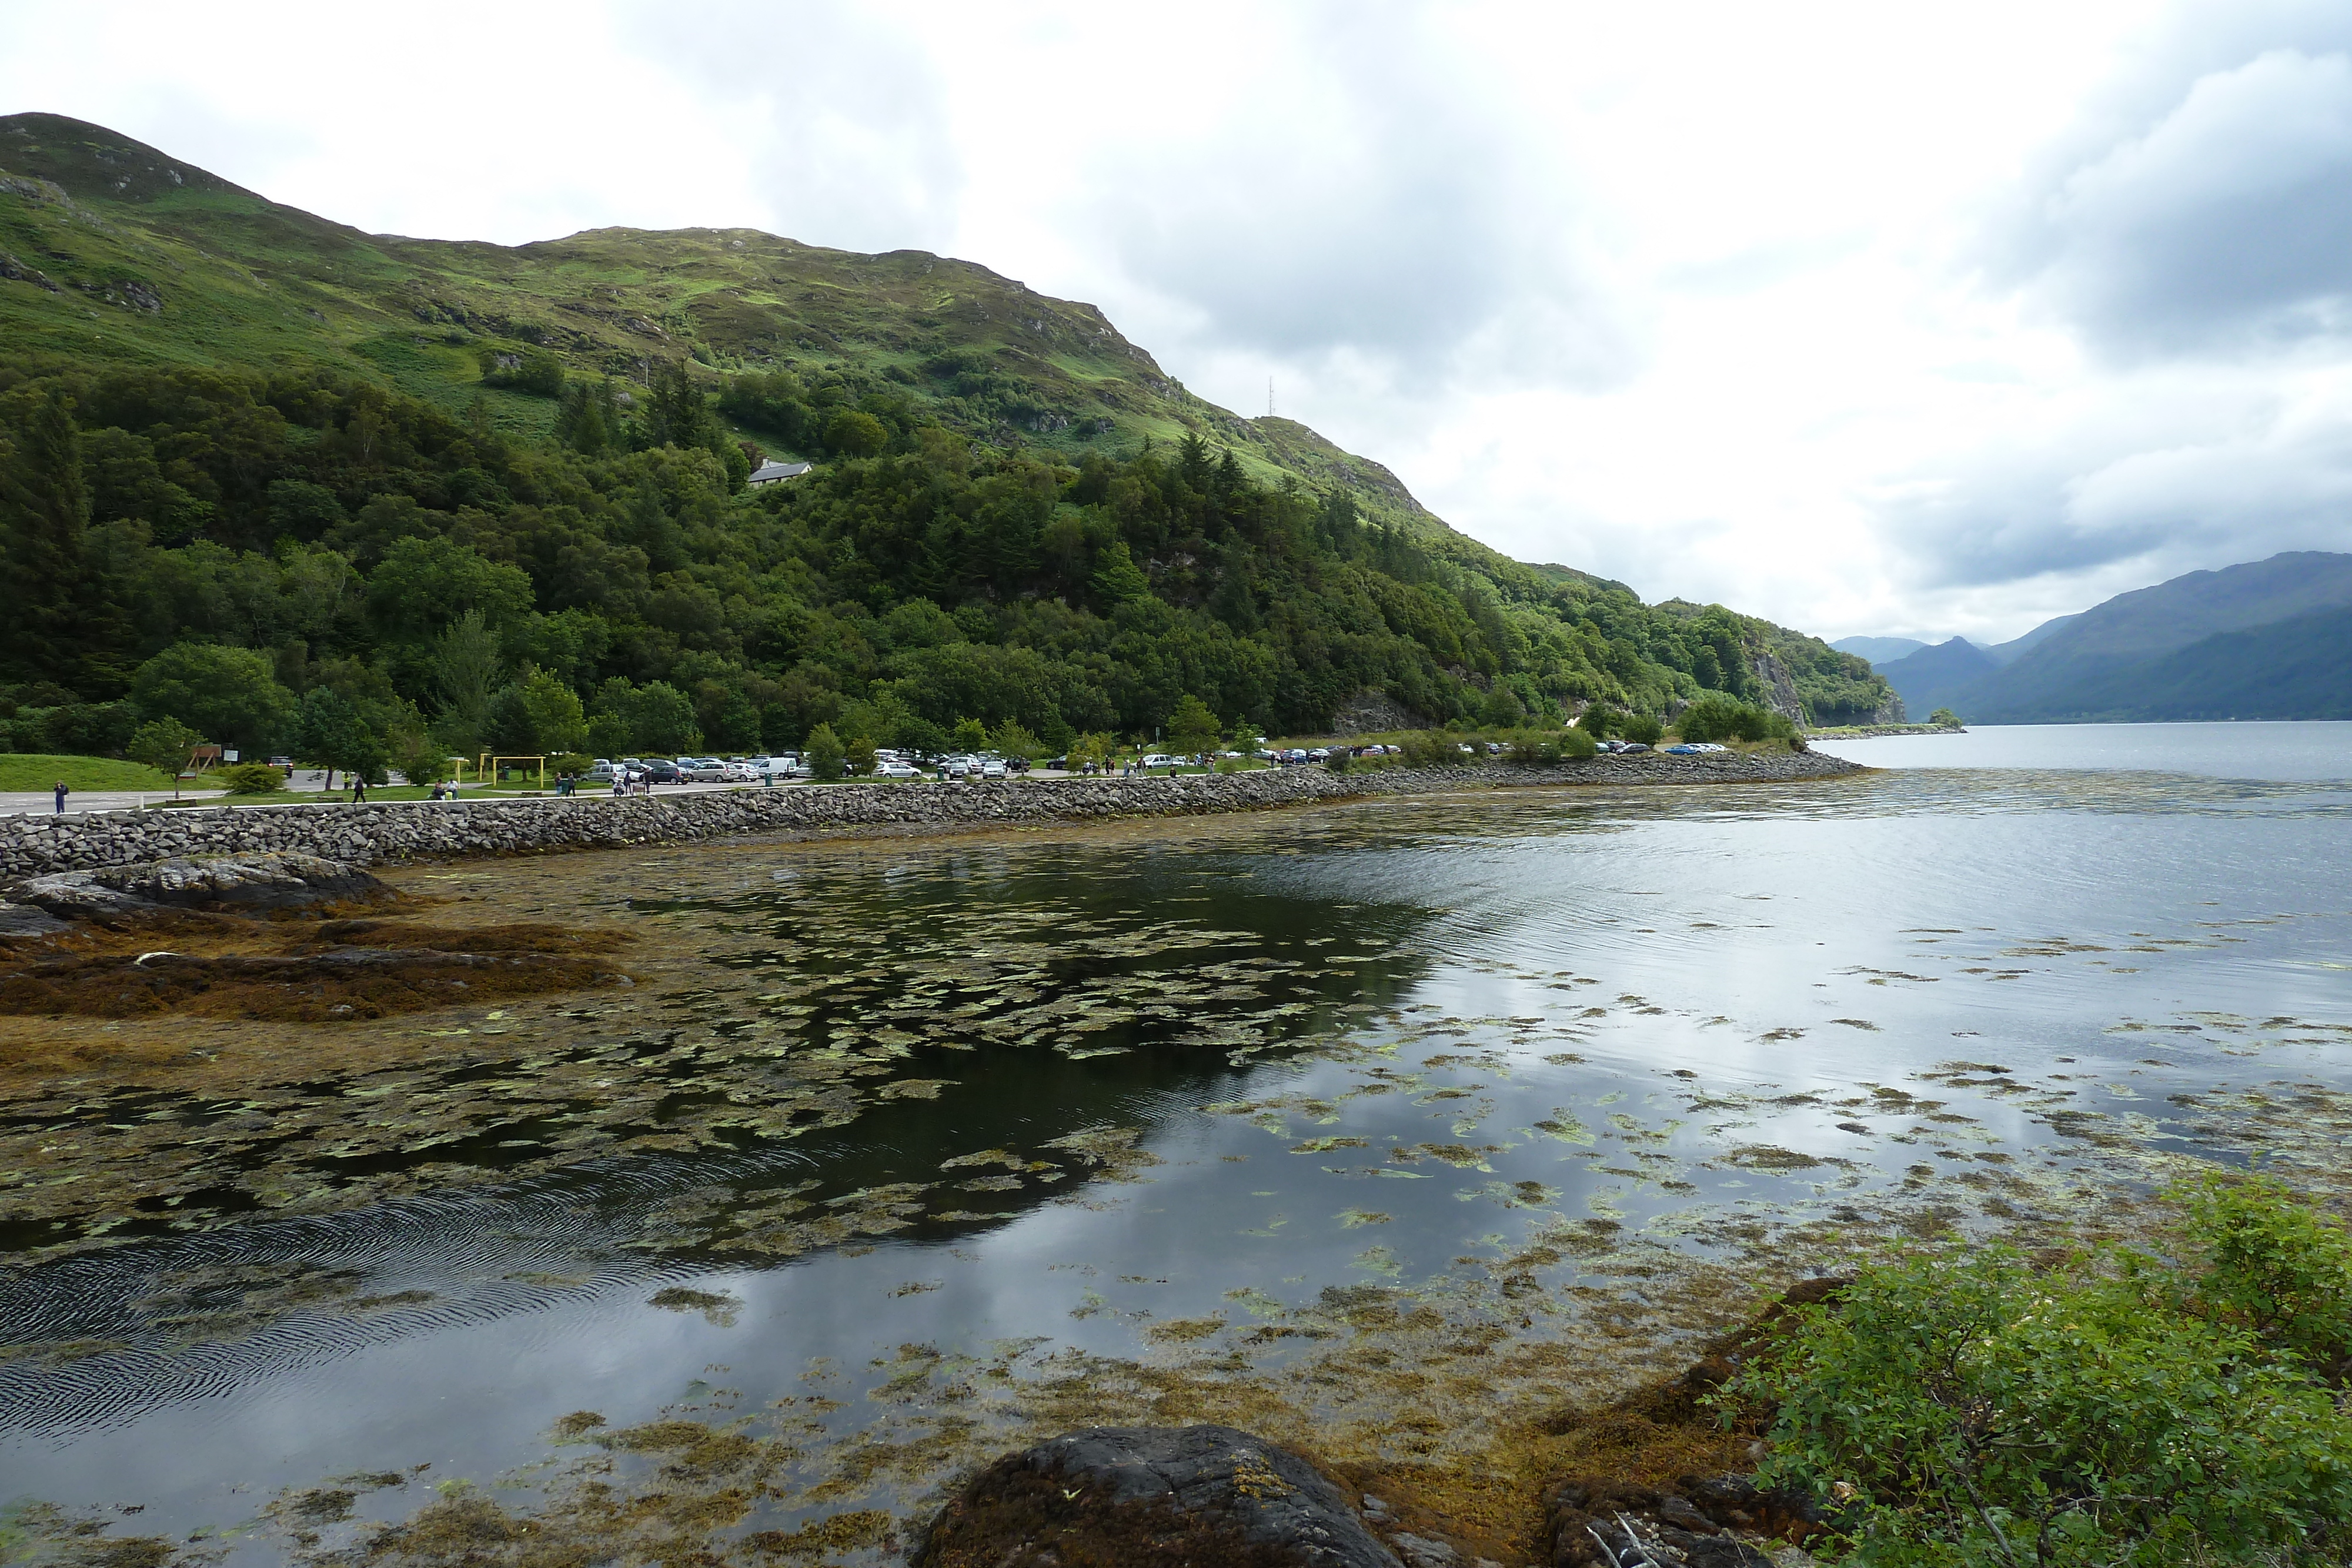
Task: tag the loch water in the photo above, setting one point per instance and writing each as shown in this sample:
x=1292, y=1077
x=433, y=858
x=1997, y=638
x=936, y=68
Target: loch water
x=1164, y=1098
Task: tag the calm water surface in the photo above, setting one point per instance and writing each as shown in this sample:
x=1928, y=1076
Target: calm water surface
x=1167, y=1088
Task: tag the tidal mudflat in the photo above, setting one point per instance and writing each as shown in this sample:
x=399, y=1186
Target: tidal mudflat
x=1392, y=1129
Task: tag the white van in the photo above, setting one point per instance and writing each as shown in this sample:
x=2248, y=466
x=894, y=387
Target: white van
x=1158, y=759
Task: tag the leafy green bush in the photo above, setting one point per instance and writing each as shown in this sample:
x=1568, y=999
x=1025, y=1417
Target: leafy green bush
x=165, y=744
x=249, y=778
x=420, y=758
x=1536, y=747
x=1718, y=717
x=1642, y=727
x=1430, y=748
x=1946, y=717
x=2273, y=1266
x=531, y=371
x=1601, y=720
x=854, y=435
x=1970, y=1407
x=826, y=756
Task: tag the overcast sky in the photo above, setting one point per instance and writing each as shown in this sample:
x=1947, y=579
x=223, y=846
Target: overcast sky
x=1872, y=318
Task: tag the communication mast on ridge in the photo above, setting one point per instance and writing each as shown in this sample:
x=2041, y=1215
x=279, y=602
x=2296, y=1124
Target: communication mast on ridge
x=1269, y=397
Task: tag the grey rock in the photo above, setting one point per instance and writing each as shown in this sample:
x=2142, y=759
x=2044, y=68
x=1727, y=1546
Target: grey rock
x=1143, y=1494
x=27, y=920
x=275, y=879
x=381, y=833
x=1423, y=1553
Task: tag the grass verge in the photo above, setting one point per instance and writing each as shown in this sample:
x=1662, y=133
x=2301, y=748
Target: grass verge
x=38, y=771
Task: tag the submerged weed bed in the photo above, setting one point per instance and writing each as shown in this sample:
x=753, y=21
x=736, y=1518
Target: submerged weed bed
x=892, y=1158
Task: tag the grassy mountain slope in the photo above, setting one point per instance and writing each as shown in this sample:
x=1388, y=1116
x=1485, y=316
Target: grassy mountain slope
x=132, y=255
x=2016, y=648
x=2297, y=668
x=2113, y=657
x=258, y=398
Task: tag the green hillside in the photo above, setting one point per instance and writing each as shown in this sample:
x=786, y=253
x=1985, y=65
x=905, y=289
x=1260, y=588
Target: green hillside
x=2184, y=648
x=2299, y=668
x=271, y=476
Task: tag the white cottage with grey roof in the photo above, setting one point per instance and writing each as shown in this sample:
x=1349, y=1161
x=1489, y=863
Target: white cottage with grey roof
x=769, y=473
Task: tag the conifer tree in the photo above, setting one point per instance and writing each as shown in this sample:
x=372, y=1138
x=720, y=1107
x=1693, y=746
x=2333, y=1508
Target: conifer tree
x=43, y=513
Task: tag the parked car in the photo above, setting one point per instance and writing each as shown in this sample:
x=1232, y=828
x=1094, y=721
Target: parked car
x=1158, y=759
x=657, y=771
x=599, y=772
x=992, y=767
x=891, y=768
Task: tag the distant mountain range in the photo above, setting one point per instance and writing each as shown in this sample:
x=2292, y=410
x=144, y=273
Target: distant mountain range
x=1878, y=650
x=2270, y=639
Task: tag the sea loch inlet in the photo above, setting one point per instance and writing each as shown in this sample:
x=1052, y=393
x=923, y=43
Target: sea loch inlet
x=1432, y=786
x=1362, y=1127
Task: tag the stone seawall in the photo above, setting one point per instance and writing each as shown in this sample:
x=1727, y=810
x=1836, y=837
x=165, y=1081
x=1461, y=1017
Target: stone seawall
x=379, y=832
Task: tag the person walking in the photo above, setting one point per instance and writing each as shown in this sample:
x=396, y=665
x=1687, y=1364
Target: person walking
x=359, y=790
x=62, y=793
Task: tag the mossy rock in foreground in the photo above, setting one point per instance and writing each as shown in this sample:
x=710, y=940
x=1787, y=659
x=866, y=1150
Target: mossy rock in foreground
x=1151, y=1497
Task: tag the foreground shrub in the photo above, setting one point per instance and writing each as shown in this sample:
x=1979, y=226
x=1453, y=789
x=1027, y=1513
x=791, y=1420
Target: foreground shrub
x=1532, y=748
x=1716, y=717
x=1641, y=727
x=1971, y=1408
x=2273, y=1266
x=1600, y=720
x=249, y=778
x=1430, y=748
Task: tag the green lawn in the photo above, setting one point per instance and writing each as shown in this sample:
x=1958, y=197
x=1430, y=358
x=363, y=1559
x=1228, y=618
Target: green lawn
x=343, y=795
x=32, y=771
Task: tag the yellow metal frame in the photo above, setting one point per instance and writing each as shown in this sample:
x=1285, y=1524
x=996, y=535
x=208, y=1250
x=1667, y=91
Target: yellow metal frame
x=486, y=768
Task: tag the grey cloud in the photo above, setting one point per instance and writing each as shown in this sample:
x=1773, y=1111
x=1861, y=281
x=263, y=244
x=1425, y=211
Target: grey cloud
x=2202, y=203
x=2086, y=502
x=849, y=139
x=1382, y=206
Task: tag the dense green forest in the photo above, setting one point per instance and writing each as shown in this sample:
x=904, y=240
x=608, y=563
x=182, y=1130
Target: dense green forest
x=219, y=548
x=271, y=478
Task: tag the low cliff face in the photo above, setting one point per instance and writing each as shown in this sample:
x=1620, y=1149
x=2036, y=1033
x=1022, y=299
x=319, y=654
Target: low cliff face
x=1777, y=689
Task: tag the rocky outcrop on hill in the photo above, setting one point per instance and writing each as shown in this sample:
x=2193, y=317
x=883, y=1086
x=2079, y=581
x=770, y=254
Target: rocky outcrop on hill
x=379, y=832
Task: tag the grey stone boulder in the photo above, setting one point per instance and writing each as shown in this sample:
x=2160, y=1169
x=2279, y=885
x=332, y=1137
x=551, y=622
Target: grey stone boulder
x=272, y=879
x=1151, y=1497
x=27, y=920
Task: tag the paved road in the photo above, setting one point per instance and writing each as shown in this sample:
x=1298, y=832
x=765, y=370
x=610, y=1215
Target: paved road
x=41, y=803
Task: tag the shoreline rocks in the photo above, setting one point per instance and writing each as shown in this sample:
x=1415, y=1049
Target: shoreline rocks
x=250, y=883
x=383, y=833
x=1872, y=731
x=1151, y=1497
